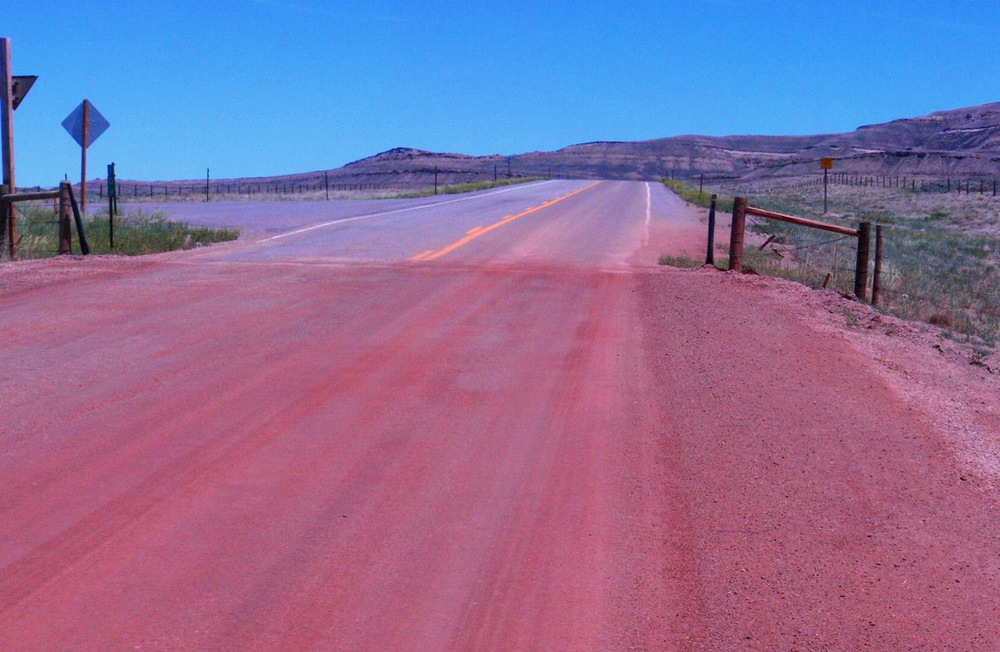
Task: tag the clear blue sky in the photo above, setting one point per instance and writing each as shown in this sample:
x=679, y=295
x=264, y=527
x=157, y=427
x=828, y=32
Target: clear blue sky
x=264, y=87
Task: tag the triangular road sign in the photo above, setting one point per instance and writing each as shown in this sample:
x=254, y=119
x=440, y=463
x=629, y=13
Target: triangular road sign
x=21, y=85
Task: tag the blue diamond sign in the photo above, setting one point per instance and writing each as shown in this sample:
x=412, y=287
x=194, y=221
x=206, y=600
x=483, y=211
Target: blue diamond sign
x=97, y=125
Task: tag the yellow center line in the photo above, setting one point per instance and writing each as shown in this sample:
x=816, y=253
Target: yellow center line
x=473, y=230
x=421, y=255
x=475, y=233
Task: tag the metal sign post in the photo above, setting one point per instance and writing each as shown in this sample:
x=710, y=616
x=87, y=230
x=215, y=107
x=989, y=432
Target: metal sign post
x=827, y=165
x=85, y=124
x=710, y=257
x=112, y=204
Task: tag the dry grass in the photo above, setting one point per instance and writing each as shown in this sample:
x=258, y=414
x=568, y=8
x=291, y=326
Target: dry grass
x=941, y=259
x=136, y=233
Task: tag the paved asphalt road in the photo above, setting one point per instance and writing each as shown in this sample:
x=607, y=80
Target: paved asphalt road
x=603, y=227
x=474, y=422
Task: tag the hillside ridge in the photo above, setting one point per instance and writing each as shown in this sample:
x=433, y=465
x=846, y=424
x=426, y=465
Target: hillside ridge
x=960, y=143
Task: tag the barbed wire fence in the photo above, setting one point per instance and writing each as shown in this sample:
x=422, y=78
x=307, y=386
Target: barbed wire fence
x=983, y=186
x=318, y=185
x=38, y=229
x=949, y=279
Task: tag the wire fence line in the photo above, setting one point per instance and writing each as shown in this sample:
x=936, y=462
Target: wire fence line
x=946, y=277
x=37, y=222
x=313, y=185
x=127, y=190
x=985, y=185
x=831, y=261
x=978, y=186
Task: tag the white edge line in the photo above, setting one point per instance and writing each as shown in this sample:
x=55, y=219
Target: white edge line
x=400, y=210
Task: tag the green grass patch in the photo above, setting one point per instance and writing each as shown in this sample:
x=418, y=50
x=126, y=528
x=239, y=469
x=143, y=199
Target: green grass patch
x=686, y=262
x=690, y=194
x=472, y=186
x=136, y=233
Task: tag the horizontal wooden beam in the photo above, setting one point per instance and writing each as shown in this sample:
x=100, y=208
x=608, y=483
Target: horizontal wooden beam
x=801, y=221
x=30, y=196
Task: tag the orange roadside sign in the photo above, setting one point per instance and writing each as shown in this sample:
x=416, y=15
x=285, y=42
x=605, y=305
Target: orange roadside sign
x=826, y=163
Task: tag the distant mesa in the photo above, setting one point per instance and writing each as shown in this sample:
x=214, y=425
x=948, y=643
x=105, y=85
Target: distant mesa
x=958, y=143
x=962, y=142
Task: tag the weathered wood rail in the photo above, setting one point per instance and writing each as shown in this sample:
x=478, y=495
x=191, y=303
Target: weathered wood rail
x=862, y=233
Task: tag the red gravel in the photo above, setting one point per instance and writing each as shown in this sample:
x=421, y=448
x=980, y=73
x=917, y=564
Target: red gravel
x=405, y=456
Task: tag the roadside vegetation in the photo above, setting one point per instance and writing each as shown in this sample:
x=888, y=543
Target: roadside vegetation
x=136, y=233
x=941, y=261
x=690, y=194
x=460, y=188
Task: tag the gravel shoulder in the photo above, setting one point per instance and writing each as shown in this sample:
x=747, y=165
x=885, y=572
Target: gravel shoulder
x=489, y=451
x=836, y=469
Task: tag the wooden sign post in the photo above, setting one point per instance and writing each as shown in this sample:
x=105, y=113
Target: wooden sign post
x=8, y=219
x=85, y=124
x=83, y=156
x=13, y=88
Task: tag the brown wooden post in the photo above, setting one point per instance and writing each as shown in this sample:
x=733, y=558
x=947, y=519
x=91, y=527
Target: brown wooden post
x=78, y=219
x=861, y=269
x=65, y=219
x=8, y=214
x=877, y=279
x=83, y=157
x=736, y=234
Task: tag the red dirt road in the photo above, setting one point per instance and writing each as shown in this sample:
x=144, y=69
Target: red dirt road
x=486, y=451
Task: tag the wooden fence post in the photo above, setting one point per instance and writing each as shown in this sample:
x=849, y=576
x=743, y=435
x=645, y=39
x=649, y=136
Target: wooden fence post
x=65, y=219
x=877, y=279
x=81, y=235
x=736, y=234
x=861, y=269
